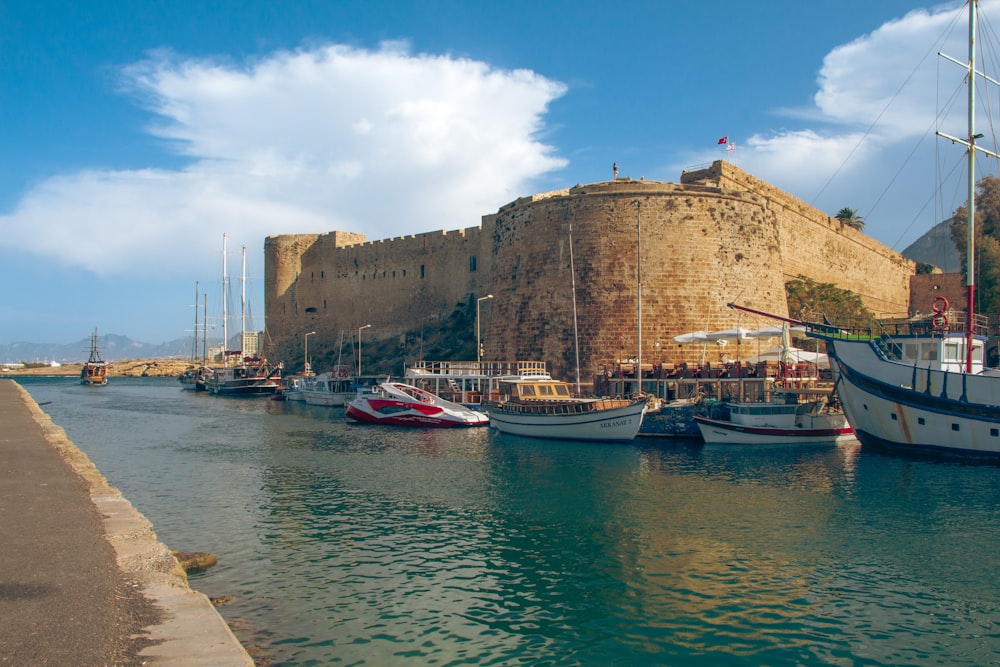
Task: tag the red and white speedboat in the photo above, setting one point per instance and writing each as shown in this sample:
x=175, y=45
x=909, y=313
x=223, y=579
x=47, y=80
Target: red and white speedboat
x=405, y=405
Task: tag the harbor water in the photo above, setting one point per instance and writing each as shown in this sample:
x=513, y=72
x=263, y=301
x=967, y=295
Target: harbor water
x=347, y=544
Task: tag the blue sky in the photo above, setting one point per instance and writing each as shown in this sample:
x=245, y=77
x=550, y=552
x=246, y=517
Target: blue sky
x=135, y=134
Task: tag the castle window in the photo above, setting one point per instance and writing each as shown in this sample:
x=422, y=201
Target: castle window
x=472, y=263
x=310, y=309
x=324, y=304
x=312, y=276
x=322, y=274
x=421, y=271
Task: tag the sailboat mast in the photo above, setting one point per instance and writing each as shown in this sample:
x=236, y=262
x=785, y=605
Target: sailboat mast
x=204, y=332
x=970, y=250
x=243, y=301
x=225, y=311
x=576, y=335
x=194, y=337
x=638, y=275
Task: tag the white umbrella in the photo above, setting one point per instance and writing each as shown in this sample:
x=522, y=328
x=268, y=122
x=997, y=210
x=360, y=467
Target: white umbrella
x=775, y=331
x=792, y=354
x=693, y=337
x=739, y=333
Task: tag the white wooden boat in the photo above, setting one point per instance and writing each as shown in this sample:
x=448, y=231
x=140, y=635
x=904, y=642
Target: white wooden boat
x=331, y=389
x=540, y=407
x=791, y=417
x=294, y=386
x=923, y=384
x=399, y=404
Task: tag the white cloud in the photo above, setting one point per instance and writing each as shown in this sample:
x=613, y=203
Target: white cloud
x=307, y=141
x=868, y=140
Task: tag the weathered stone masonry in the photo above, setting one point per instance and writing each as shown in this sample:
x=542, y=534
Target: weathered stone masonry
x=720, y=235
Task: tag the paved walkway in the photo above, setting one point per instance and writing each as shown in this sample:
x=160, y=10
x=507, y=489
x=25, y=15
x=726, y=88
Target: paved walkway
x=83, y=579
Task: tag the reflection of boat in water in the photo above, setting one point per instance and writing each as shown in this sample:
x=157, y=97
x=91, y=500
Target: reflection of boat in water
x=540, y=407
x=790, y=417
x=400, y=404
x=95, y=371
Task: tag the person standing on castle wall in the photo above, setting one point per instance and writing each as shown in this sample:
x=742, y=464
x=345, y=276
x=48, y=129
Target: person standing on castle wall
x=615, y=167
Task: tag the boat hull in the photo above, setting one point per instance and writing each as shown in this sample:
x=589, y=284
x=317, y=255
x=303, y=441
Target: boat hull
x=327, y=399
x=721, y=432
x=397, y=404
x=895, y=404
x=576, y=422
x=246, y=387
x=94, y=376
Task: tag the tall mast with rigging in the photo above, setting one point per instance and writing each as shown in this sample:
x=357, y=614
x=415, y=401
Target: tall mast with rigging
x=970, y=143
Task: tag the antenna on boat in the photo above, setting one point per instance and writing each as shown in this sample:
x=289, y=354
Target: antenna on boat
x=572, y=280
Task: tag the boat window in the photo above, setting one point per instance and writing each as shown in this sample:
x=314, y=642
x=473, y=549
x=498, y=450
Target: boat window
x=929, y=352
x=562, y=390
x=527, y=390
x=910, y=351
x=545, y=390
x=952, y=352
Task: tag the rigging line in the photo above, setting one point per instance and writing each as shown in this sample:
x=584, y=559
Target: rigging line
x=888, y=104
x=909, y=157
x=933, y=197
x=986, y=28
x=941, y=114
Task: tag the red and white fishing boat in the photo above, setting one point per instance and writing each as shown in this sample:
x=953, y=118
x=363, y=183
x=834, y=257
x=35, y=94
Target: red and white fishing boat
x=791, y=417
x=401, y=404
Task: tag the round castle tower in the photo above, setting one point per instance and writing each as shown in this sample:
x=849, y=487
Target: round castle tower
x=719, y=236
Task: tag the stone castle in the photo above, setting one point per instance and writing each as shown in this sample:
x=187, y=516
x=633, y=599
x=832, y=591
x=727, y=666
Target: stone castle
x=572, y=261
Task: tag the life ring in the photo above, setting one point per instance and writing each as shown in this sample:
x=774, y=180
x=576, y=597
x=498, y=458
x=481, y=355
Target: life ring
x=941, y=305
x=940, y=321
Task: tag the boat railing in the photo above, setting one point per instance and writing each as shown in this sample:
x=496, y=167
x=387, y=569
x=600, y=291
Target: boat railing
x=563, y=407
x=483, y=368
x=948, y=322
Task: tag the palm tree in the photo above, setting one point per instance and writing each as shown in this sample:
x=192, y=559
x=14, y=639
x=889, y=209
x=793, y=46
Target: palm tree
x=851, y=218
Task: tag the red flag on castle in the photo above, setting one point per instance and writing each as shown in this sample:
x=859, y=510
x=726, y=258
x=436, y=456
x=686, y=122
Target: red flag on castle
x=724, y=140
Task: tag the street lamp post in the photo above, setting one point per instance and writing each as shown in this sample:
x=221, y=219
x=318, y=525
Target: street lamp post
x=306, y=368
x=479, y=344
x=360, y=329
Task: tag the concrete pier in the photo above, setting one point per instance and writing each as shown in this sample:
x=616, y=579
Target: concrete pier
x=83, y=578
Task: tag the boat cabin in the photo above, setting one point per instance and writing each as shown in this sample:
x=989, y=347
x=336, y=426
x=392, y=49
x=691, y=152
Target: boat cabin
x=945, y=353
x=534, y=390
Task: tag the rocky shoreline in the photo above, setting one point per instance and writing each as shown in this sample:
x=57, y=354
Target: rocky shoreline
x=126, y=368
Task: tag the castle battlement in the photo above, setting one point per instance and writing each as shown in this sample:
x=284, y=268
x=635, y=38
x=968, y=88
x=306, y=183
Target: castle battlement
x=719, y=235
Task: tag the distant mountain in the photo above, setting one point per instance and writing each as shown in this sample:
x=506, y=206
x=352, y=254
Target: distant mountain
x=936, y=247
x=111, y=347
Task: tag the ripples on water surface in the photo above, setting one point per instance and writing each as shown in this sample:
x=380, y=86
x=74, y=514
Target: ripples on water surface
x=367, y=545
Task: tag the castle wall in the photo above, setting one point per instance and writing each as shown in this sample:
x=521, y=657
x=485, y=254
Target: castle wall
x=344, y=283
x=717, y=237
x=819, y=247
